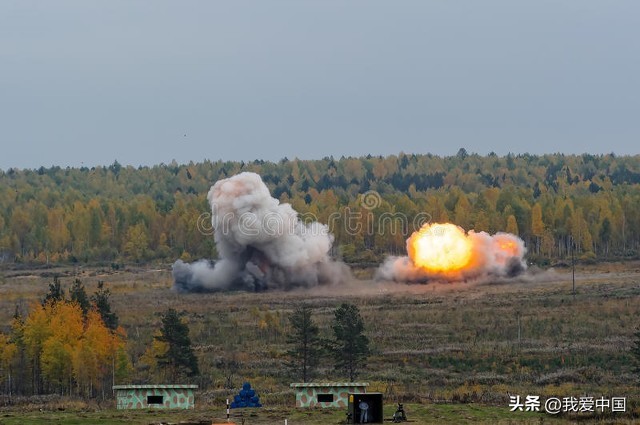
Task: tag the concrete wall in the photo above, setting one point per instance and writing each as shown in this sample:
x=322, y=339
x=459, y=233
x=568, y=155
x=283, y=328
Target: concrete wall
x=173, y=397
x=307, y=394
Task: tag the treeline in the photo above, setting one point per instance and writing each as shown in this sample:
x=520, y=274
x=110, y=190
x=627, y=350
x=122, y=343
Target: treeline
x=349, y=346
x=556, y=203
x=64, y=345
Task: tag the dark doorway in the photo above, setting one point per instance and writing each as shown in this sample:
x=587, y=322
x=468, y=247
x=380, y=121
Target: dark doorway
x=365, y=408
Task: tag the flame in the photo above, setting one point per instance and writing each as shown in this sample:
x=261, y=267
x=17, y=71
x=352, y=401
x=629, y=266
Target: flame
x=509, y=248
x=440, y=248
x=444, y=252
x=506, y=247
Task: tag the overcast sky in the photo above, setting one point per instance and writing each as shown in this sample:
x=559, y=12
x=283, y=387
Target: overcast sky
x=145, y=82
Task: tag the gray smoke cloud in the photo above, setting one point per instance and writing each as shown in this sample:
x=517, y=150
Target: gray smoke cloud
x=261, y=243
x=492, y=257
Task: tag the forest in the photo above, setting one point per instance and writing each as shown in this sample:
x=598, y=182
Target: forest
x=64, y=346
x=115, y=228
x=558, y=204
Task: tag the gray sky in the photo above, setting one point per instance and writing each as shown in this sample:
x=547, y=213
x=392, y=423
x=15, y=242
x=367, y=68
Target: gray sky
x=145, y=82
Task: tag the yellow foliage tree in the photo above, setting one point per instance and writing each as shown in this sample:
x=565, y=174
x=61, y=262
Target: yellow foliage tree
x=66, y=330
x=537, y=226
x=36, y=331
x=95, y=355
x=8, y=351
x=512, y=225
x=63, y=346
x=137, y=242
x=156, y=350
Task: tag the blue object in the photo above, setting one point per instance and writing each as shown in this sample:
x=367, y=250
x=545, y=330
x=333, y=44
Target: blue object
x=246, y=397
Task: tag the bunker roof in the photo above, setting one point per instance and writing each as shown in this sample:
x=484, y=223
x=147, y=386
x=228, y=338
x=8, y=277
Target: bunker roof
x=150, y=386
x=329, y=384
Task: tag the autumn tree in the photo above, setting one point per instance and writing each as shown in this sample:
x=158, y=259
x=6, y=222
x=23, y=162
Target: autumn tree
x=121, y=213
x=462, y=212
x=305, y=341
x=512, y=225
x=137, y=243
x=67, y=350
x=8, y=352
x=151, y=357
x=605, y=235
x=350, y=346
x=537, y=226
x=179, y=358
x=66, y=328
x=21, y=371
x=95, y=355
x=58, y=233
x=36, y=331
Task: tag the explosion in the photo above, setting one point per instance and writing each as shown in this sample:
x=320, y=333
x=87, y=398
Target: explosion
x=444, y=252
x=440, y=248
x=262, y=244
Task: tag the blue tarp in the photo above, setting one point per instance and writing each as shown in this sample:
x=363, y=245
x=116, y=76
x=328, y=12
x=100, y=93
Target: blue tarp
x=247, y=397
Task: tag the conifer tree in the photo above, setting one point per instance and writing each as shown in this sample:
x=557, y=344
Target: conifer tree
x=179, y=358
x=351, y=346
x=306, y=343
x=101, y=301
x=55, y=294
x=79, y=296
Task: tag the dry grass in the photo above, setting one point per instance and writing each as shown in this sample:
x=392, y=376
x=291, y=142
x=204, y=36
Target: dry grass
x=432, y=343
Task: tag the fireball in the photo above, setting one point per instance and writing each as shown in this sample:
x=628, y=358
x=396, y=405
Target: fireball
x=440, y=248
x=507, y=245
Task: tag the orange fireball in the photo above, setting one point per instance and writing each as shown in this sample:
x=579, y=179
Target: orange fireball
x=440, y=248
x=507, y=245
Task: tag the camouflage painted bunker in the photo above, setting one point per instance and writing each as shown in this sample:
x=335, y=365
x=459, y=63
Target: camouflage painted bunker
x=170, y=396
x=329, y=394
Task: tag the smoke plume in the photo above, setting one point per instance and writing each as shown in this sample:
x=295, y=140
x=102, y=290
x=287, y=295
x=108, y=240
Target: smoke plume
x=444, y=252
x=261, y=243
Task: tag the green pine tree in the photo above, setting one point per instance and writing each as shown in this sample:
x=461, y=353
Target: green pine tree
x=79, y=296
x=351, y=346
x=56, y=293
x=179, y=358
x=101, y=301
x=306, y=344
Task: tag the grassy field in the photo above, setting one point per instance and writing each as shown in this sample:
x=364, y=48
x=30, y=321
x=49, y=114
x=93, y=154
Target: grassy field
x=421, y=414
x=452, y=353
x=417, y=414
